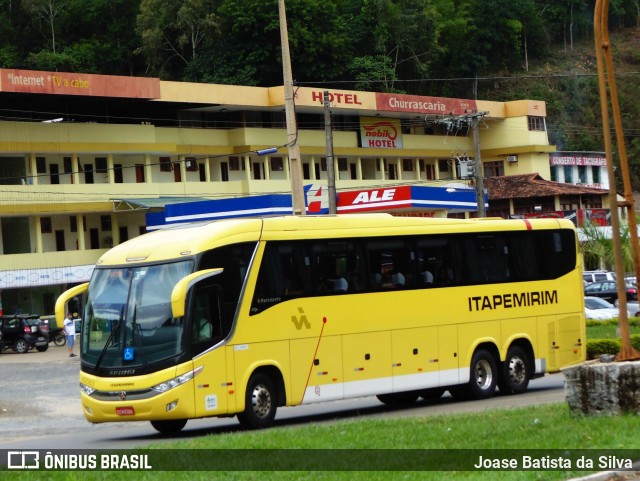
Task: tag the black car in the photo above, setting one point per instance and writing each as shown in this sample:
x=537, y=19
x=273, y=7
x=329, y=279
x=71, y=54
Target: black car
x=24, y=332
x=608, y=291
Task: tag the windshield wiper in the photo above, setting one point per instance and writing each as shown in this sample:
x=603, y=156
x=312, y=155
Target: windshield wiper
x=136, y=335
x=110, y=338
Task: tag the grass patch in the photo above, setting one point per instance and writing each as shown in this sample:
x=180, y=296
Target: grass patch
x=546, y=427
x=608, y=329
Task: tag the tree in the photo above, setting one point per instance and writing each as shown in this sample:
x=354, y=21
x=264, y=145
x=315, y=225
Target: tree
x=597, y=247
x=172, y=32
x=47, y=10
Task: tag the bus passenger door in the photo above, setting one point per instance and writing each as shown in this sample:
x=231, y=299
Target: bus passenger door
x=319, y=378
x=415, y=360
x=367, y=364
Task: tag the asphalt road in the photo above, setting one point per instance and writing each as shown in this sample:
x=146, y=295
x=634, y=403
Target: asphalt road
x=40, y=407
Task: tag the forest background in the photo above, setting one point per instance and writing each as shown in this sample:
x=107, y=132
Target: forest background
x=477, y=49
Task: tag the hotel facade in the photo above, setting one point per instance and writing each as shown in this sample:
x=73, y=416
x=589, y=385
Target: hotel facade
x=89, y=161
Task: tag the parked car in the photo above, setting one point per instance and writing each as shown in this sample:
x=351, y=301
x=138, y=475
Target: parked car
x=608, y=291
x=23, y=332
x=598, y=309
x=598, y=276
x=1, y=342
x=633, y=308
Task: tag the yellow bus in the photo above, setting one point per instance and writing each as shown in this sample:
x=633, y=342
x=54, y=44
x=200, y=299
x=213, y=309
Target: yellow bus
x=239, y=317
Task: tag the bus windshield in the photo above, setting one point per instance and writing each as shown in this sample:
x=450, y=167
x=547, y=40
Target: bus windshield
x=127, y=317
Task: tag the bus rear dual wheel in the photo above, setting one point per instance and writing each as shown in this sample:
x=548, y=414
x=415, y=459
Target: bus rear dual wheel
x=512, y=378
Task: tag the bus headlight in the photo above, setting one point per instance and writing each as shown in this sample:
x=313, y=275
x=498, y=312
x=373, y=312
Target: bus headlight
x=88, y=390
x=176, y=381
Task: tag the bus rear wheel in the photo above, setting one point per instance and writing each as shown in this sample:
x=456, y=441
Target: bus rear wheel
x=482, y=378
x=516, y=372
x=173, y=426
x=260, y=403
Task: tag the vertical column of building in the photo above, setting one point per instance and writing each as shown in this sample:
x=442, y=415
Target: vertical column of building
x=148, y=168
x=33, y=169
x=247, y=167
x=81, y=241
x=359, y=168
x=36, y=227
x=381, y=169
x=110, y=170
x=207, y=169
x=115, y=229
x=75, y=169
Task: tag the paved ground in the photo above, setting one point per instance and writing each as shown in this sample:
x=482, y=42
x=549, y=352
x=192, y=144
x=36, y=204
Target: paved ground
x=33, y=396
x=36, y=386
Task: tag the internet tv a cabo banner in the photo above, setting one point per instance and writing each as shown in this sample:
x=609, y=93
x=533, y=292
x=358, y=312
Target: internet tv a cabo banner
x=63, y=83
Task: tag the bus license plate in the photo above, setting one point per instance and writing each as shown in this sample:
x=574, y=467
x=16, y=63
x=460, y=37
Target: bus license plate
x=125, y=411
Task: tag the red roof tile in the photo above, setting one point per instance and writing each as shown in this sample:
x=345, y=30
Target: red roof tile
x=532, y=185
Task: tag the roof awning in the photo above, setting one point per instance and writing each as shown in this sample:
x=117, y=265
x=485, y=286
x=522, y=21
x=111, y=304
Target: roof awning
x=149, y=203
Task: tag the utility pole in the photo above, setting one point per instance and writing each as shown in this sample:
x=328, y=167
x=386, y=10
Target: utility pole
x=295, y=163
x=474, y=121
x=331, y=175
x=455, y=123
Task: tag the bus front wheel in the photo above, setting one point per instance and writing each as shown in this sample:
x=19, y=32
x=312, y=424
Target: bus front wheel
x=260, y=403
x=173, y=426
x=516, y=373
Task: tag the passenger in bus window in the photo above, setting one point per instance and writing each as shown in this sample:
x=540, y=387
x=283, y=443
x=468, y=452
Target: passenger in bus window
x=427, y=278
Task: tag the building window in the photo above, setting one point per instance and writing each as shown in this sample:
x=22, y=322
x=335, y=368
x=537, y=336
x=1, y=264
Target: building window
x=165, y=164
x=443, y=165
x=118, y=174
x=407, y=165
x=101, y=165
x=554, y=173
x=41, y=165
x=105, y=223
x=595, y=172
x=494, y=169
x=568, y=177
x=277, y=164
x=536, y=123
x=191, y=164
x=45, y=225
x=234, y=163
x=582, y=174
x=73, y=224
x=67, y=165
x=342, y=164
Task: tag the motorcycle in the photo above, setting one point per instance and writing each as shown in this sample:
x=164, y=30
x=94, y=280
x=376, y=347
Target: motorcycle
x=57, y=337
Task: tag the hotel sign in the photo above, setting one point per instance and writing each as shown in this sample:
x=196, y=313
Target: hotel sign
x=380, y=133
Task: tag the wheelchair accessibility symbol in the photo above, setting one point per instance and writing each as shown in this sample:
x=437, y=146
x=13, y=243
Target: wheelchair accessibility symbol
x=128, y=354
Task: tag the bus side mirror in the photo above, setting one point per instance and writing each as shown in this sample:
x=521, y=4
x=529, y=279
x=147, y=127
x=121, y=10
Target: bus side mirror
x=64, y=298
x=181, y=289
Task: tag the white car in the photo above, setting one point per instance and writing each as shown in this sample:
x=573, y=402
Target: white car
x=599, y=310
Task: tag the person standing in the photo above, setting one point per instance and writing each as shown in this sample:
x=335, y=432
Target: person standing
x=70, y=333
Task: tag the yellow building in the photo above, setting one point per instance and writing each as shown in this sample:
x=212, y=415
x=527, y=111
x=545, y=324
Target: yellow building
x=84, y=157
